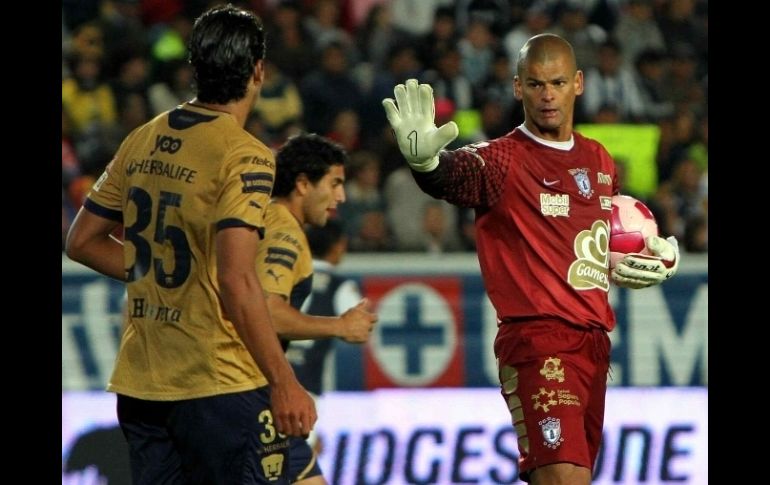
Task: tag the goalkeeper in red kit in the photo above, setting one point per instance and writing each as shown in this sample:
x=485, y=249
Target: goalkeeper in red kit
x=542, y=197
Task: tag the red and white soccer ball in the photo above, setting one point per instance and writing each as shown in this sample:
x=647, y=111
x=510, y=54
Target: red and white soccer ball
x=630, y=224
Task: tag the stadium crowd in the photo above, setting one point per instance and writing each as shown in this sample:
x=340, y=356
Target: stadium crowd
x=331, y=62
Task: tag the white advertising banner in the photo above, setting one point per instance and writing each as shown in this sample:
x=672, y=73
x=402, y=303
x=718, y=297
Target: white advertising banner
x=444, y=436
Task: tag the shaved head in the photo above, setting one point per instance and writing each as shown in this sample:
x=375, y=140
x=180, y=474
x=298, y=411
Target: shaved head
x=543, y=48
x=547, y=81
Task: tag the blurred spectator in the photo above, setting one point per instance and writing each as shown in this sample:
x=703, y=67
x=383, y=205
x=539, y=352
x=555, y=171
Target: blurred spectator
x=416, y=17
x=537, y=19
x=476, y=52
x=492, y=13
x=402, y=64
x=604, y=13
x=386, y=149
x=88, y=42
x=328, y=90
x=374, y=234
x=280, y=102
x=679, y=26
x=121, y=23
x=585, y=38
x=650, y=77
x=88, y=99
x=498, y=86
x=608, y=114
x=290, y=41
x=681, y=199
x=174, y=86
x=133, y=114
x=675, y=146
x=696, y=235
x=637, y=31
x=405, y=202
x=611, y=83
x=682, y=86
x=90, y=103
x=171, y=43
x=355, y=12
x=442, y=36
x=494, y=119
x=435, y=226
x=448, y=80
x=131, y=81
x=323, y=27
x=377, y=37
x=363, y=197
x=346, y=130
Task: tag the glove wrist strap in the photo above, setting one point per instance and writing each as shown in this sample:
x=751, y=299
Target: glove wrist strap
x=426, y=166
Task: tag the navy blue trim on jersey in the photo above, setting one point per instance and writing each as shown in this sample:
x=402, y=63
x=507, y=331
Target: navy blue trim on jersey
x=100, y=210
x=233, y=222
x=300, y=292
x=257, y=182
x=282, y=256
x=181, y=119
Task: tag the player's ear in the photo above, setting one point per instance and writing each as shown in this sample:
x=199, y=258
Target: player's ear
x=259, y=72
x=302, y=184
x=517, y=87
x=579, y=82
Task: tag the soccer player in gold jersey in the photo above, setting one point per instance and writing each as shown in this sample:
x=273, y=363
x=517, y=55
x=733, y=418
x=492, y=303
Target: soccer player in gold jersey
x=199, y=350
x=310, y=173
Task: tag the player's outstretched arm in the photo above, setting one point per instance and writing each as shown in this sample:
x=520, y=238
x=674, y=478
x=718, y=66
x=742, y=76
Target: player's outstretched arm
x=412, y=117
x=353, y=326
x=640, y=271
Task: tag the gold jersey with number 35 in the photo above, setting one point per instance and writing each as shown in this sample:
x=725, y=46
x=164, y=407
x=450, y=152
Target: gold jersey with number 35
x=173, y=183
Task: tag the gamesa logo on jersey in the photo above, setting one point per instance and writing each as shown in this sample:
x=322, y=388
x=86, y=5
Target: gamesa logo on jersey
x=415, y=342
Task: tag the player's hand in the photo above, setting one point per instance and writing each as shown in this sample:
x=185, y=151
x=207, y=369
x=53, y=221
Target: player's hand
x=357, y=323
x=412, y=118
x=641, y=270
x=293, y=408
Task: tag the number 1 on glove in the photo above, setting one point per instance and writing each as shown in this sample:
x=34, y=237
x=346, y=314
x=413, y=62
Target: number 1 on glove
x=412, y=117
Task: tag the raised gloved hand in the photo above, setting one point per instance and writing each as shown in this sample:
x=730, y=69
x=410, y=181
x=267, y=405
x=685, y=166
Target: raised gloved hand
x=641, y=270
x=412, y=118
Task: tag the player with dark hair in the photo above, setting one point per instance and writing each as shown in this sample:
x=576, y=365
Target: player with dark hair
x=309, y=183
x=542, y=197
x=198, y=349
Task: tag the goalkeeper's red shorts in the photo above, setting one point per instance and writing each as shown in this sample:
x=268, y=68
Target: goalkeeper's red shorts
x=553, y=377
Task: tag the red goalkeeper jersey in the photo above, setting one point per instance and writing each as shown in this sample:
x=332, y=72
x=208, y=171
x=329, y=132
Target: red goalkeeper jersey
x=542, y=223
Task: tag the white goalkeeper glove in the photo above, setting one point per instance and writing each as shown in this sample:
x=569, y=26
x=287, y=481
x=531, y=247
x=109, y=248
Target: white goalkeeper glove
x=412, y=118
x=641, y=270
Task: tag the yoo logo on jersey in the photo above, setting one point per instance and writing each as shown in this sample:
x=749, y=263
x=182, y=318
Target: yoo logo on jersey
x=167, y=144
